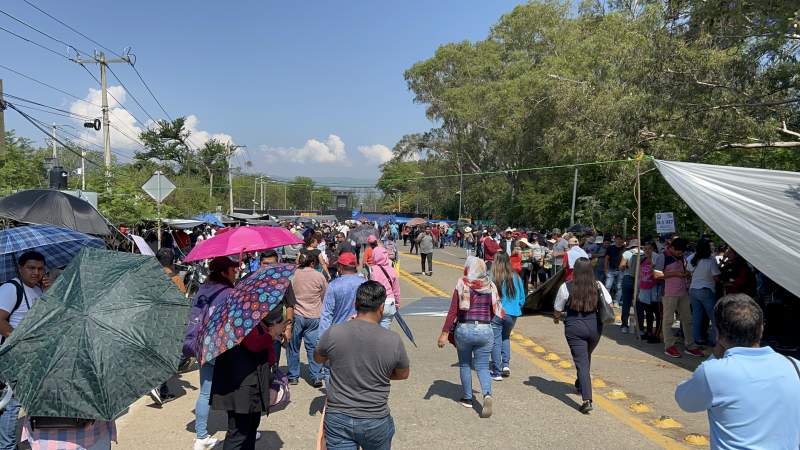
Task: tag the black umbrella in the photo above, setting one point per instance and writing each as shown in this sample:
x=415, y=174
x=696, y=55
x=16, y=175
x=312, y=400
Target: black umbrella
x=108, y=330
x=51, y=207
x=580, y=229
x=404, y=326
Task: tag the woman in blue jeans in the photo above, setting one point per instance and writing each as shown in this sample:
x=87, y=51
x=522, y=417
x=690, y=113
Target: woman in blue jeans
x=211, y=294
x=512, y=297
x=474, y=304
x=705, y=275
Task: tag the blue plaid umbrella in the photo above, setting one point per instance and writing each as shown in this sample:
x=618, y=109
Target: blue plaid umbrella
x=58, y=245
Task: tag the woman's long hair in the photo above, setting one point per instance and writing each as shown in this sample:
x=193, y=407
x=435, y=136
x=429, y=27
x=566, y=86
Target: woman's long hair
x=218, y=277
x=307, y=260
x=584, y=287
x=503, y=274
x=702, y=251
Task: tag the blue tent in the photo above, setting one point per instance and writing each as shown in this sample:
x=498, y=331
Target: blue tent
x=209, y=218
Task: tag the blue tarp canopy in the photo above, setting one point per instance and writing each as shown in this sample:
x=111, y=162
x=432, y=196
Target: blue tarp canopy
x=209, y=218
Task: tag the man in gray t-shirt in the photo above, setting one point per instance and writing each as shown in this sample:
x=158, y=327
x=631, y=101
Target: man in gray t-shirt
x=363, y=357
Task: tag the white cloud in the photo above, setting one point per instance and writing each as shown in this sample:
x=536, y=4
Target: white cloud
x=376, y=153
x=199, y=137
x=120, y=119
x=124, y=127
x=331, y=151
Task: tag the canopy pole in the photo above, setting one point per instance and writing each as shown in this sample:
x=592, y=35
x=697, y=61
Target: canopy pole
x=637, y=273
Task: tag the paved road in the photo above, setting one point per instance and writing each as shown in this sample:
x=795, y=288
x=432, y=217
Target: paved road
x=534, y=408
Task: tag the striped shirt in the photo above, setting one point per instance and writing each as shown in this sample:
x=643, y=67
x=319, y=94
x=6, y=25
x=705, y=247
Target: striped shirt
x=480, y=309
x=98, y=434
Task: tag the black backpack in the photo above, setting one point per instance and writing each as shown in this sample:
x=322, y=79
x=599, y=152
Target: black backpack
x=17, y=304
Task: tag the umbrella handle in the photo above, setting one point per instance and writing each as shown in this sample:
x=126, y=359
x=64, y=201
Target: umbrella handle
x=7, y=393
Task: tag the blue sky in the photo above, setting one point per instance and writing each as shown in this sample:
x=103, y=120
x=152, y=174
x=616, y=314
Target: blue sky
x=312, y=88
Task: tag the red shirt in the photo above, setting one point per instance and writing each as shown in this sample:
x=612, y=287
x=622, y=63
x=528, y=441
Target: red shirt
x=516, y=262
x=490, y=247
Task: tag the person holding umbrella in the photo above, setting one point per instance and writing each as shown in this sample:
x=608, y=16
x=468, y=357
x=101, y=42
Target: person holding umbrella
x=210, y=295
x=16, y=299
x=242, y=379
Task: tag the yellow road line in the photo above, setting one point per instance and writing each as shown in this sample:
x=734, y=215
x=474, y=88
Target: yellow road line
x=523, y=345
x=438, y=263
x=519, y=343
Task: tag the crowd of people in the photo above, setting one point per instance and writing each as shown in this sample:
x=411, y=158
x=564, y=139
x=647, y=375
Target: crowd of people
x=345, y=295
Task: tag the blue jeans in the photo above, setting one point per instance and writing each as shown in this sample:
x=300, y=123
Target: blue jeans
x=703, y=301
x=614, y=280
x=389, y=310
x=343, y=432
x=468, y=248
x=306, y=330
x=501, y=349
x=627, y=298
x=202, y=406
x=8, y=425
x=474, y=345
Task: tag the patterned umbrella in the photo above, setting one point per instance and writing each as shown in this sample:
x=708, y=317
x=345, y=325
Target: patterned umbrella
x=251, y=300
x=58, y=245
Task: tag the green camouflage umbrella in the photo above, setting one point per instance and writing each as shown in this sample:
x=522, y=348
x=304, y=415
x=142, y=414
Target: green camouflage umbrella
x=108, y=330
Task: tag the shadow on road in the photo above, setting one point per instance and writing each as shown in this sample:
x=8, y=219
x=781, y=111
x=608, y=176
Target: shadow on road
x=176, y=386
x=444, y=389
x=316, y=405
x=555, y=389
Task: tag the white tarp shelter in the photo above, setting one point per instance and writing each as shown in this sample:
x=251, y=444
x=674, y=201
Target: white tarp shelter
x=756, y=211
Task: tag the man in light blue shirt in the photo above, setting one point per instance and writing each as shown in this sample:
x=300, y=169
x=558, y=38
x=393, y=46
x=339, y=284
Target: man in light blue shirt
x=751, y=393
x=339, y=304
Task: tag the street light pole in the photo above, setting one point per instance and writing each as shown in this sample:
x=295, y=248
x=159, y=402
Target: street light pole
x=231, y=150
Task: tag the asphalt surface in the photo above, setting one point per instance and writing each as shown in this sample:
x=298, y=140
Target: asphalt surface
x=535, y=408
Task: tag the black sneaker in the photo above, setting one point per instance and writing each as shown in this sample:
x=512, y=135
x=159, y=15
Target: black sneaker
x=586, y=407
x=466, y=402
x=293, y=381
x=317, y=384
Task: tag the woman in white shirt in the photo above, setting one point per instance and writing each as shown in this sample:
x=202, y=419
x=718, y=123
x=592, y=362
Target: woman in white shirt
x=577, y=301
x=702, y=291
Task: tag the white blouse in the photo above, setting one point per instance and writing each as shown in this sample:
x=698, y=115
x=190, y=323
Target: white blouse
x=563, y=295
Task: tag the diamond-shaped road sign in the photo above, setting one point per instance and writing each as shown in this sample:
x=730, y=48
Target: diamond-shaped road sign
x=158, y=186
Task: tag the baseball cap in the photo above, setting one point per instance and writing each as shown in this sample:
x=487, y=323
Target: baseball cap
x=347, y=259
x=372, y=239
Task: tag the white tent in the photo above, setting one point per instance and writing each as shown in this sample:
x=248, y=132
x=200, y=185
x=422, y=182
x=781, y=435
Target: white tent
x=756, y=211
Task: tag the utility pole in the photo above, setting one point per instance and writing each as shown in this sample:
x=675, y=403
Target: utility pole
x=574, y=191
x=231, y=150
x=460, y=187
x=262, y=193
x=100, y=58
x=55, y=151
x=2, y=120
x=255, y=189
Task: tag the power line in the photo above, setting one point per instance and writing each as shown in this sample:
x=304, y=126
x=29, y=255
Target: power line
x=46, y=133
x=150, y=91
x=62, y=111
x=41, y=32
x=49, y=86
x=73, y=29
x=131, y=94
x=34, y=43
x=112, y=96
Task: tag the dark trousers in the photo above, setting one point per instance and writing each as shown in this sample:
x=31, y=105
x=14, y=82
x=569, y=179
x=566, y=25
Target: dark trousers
x=526, y=278
x=429, y=258
x=582, y=336
x=414, y=245
x=650, y=313
x=242, y=430
x=627, y=298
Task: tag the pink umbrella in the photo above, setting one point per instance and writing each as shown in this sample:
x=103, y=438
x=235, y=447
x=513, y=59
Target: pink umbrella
x=241, y=240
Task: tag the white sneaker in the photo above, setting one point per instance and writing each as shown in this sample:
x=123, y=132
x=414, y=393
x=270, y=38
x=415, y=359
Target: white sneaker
x=156, y=395
x=205, y=444
x=497, y=377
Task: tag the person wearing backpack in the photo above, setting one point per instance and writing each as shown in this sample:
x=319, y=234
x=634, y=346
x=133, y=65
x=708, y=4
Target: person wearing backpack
x=578, y=302
x=382, y=271
x=17, y=297
x=210, y=295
